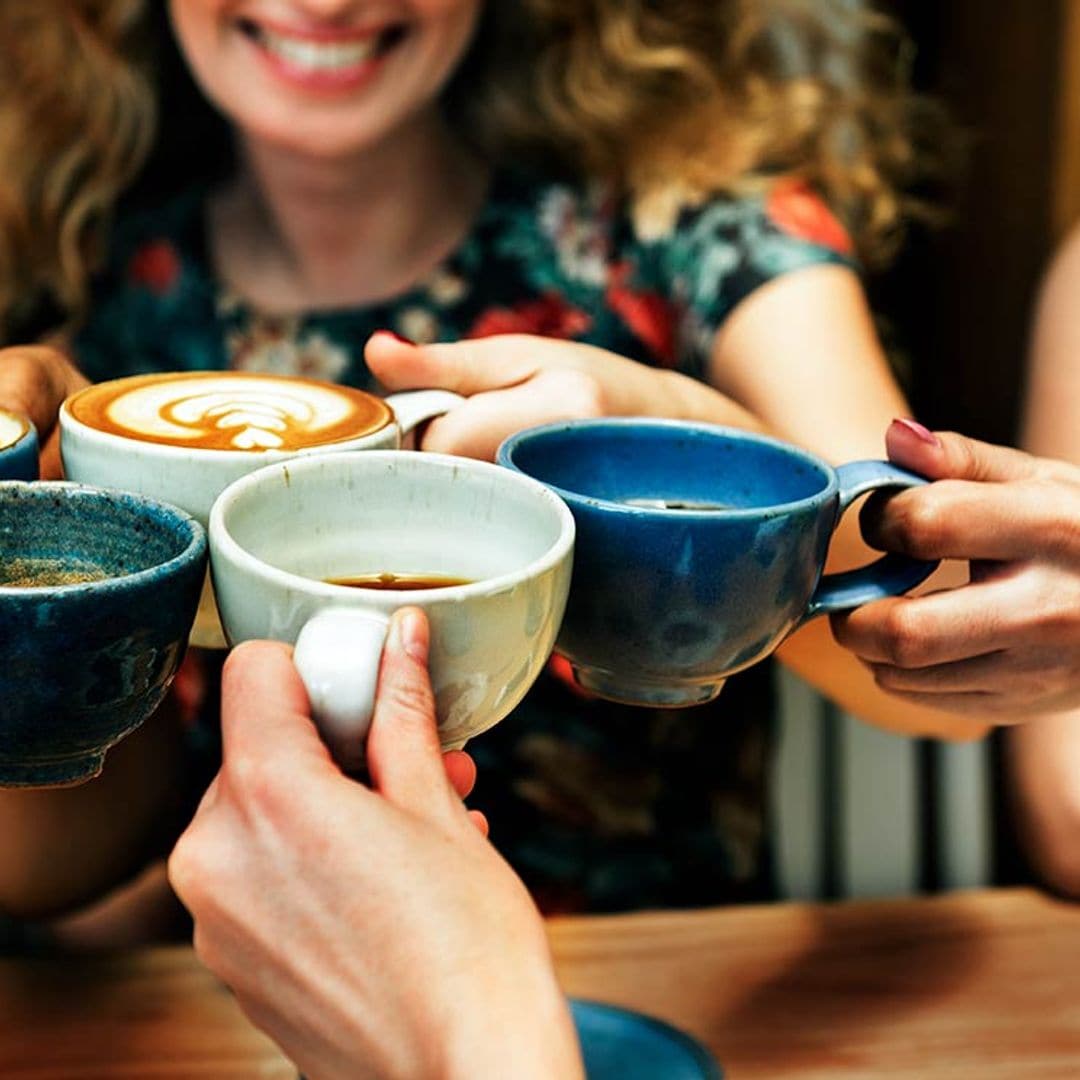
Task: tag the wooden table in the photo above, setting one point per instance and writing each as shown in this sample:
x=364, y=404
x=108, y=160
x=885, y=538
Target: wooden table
x=976, y=985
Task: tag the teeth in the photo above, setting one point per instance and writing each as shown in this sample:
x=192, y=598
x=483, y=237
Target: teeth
x=318, y=56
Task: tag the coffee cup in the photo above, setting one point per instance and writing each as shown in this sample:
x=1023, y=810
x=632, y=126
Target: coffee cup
x=484, y=551
x=98, y=591
x=699, y=549
x=184, y=437
x=18, y=447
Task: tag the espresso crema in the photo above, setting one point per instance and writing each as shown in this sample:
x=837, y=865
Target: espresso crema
x=12, y=429
x=229, y=410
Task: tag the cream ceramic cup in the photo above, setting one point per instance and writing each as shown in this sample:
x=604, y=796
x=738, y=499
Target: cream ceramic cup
x=277, y=535
x=183, y=437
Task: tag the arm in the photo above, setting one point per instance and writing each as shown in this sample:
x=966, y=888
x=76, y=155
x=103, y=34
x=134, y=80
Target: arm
x=1043, y=760
x=513, y=381
x=412, y=949
x=801, y=353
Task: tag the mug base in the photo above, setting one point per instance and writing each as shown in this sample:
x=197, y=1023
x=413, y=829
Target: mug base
x=629, y=691
x=64, y=772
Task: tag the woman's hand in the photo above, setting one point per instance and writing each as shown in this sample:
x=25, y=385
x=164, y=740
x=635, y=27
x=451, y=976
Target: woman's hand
x=35, y=380
x=370, y=932
x=514, y=381
x=1007, y=645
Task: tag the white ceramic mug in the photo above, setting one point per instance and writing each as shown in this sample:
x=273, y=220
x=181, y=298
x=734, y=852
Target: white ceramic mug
x=280, y=536
x=191, y=476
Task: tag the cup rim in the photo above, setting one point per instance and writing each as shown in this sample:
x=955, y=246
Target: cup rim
x=28, y=429
x=70, y=422
x=194, y=549
x=223, y=540
x=504, y=456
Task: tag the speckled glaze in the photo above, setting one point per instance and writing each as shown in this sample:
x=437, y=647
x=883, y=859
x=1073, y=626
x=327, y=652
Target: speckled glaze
x=18, y=447
x=276, y=535
x=666, y=603
x=83, y=664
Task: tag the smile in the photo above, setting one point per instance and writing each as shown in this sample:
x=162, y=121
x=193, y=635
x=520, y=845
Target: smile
x=308, y=55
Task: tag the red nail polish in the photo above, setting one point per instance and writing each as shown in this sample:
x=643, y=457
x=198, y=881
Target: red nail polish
x=923, y=434
x=398, y=337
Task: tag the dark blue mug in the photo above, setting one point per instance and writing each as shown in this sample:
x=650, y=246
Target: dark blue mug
x=698, y=550
x=18, y=447
x=98, y=591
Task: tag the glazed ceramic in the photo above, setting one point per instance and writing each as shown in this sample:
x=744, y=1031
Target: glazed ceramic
x=699, y=549
x=276, y=535
x=18, y=447
x=192, y=478
x=81, y=665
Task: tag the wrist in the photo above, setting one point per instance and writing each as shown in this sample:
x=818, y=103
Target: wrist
x=524, y=1030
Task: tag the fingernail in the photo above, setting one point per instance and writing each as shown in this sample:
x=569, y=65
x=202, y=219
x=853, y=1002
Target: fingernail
x=411, y=634
x=398, y=337
x=923, y=434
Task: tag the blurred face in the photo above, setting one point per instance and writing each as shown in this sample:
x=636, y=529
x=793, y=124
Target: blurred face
x=328, y=78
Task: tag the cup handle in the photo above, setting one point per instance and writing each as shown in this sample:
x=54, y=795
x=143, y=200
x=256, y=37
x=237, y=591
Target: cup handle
x=415, y=406
x=337, y=654
x=890, y=575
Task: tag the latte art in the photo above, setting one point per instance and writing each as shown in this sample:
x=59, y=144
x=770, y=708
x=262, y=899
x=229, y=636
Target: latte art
x=230, y=411
x=12, y=429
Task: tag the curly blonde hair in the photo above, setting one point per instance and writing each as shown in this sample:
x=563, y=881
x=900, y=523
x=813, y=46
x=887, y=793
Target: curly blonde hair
x=714, y=95
x=76, y=121
x=700, y=95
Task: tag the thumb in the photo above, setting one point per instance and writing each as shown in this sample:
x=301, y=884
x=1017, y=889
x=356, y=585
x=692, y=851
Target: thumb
x=945, y=455
x=403, y=751
x=466, y=367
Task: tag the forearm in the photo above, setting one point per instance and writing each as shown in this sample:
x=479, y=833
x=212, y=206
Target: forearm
x=1043, y=763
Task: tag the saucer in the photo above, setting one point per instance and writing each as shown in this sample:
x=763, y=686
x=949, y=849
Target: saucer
x=618, y=1044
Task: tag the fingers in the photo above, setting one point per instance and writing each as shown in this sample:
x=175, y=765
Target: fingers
x=404, y=757
x=460, y=771
x=478, y=819
x=34, y=380
x=1017, y=607
x=265, y=717
x=947, y=455
x=477, y=427
x=466, y=367
x=959, y=519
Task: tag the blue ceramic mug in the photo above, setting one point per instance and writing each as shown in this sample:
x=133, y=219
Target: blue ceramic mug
x=18, y=447
x=98, y=591
x=699, y=549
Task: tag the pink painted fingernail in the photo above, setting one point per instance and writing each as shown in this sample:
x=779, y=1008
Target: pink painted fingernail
x=923, y=434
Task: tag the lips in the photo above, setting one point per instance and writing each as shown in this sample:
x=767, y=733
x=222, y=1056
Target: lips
x=335, y=56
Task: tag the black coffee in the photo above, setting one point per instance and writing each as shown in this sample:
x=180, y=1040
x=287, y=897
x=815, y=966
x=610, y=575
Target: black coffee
x=402, y=582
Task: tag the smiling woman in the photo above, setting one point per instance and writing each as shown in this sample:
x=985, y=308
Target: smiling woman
x=292, y=77
x=685, y=185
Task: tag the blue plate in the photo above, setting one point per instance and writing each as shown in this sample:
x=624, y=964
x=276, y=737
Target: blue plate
x=621, y=1045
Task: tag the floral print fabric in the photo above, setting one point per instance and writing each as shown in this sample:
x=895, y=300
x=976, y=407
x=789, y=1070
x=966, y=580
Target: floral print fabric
x=598, y=806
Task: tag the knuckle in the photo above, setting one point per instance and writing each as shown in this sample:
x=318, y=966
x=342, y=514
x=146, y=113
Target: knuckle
x=904, y=636
x=920, y=523
x=580, y=393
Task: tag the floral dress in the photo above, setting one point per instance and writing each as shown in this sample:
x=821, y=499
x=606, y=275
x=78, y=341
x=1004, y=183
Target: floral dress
x=598, y=806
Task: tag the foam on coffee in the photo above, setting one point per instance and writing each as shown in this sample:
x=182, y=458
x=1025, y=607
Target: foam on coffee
x=230, y=410
x=12, y=429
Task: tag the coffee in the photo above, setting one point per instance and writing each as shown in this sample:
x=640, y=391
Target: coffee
x=230, y=411
x=400, y=582
x=12, y=429
x=44, y=573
